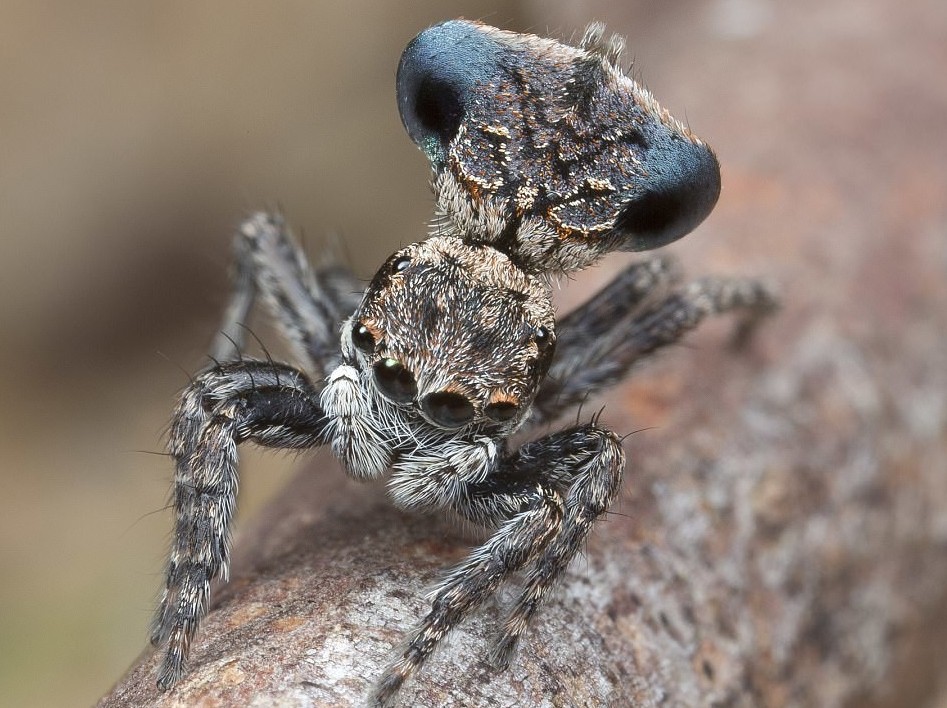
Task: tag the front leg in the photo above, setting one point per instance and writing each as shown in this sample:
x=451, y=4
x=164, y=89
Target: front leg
x=544, y=500
x=587, y=463
x=270, y=404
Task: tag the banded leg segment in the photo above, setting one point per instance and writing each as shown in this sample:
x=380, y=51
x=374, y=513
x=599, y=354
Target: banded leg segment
x=517, y=541
x=640, y=283
x=599, y=342
x=544, y=499
x=270, y=404
x=308, y=304
x=587, y=463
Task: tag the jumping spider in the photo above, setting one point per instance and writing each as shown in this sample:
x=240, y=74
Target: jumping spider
x=545, y=157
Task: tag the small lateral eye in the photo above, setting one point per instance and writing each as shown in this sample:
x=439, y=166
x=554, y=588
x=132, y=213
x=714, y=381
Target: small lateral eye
x=501, y=411
x=400, y=264
x=362, y=338
x=543, y=338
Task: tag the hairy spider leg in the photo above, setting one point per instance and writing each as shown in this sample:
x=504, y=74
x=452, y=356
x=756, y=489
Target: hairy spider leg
x=599, y=342
x=307, y=303
x=587, y=463
x=270, y=404
x=543, y=500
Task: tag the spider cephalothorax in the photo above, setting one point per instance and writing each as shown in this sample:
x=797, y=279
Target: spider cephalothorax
x=545, y=157
x=457, y=329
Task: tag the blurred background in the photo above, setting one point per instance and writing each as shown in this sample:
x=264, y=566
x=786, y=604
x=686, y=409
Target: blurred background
x=133, y=138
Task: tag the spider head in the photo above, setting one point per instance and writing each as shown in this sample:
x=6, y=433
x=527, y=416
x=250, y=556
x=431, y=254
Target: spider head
x=548, y=151
x=455, y=332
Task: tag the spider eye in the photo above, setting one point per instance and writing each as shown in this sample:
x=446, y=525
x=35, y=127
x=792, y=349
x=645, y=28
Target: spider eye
x=448, y=409
x=400, y=264
x=543, y=338
x=501, y=411
x=395, y=381
x=363, y=339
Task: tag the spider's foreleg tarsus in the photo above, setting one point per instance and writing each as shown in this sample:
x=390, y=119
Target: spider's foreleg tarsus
x=270, y=404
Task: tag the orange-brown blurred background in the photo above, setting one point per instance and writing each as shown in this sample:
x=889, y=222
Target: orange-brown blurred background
x=133, y=137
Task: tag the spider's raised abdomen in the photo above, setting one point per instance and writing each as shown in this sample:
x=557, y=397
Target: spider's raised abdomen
x=550, y=151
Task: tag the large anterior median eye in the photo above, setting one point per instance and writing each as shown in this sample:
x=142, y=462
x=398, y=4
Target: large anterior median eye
x=448, y=409
x=395, y=381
